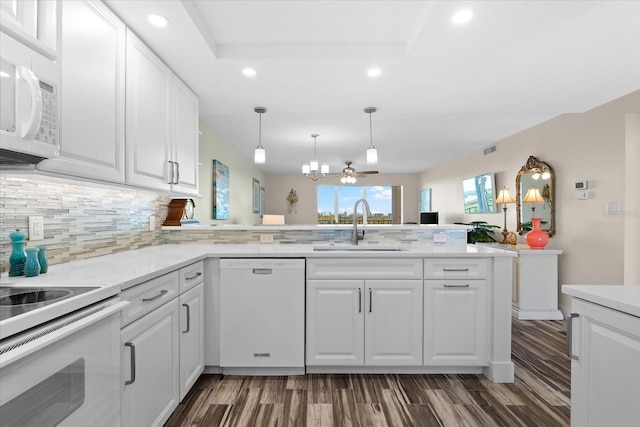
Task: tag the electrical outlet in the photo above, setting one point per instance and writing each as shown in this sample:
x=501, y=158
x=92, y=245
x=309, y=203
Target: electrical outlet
x=152, y=223
x=582, y=195
x=266, y=238
x=36, y=228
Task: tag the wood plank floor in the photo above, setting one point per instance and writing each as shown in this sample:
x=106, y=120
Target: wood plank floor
x=538, y=397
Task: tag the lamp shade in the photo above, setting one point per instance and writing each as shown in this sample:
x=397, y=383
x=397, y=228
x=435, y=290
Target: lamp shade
x=259, y=156
x=504, y=196
x=533, y=196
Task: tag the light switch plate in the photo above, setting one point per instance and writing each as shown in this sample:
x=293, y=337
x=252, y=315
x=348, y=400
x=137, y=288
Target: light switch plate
x=612, y=208
x=266, y=238
x=440, y=238
x=582, y=195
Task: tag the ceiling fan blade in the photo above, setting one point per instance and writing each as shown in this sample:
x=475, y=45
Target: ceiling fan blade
x=366, y=173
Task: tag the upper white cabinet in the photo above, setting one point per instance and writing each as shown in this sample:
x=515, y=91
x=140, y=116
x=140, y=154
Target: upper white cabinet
x=32, y=22
x=92, y=93
x=161, y=124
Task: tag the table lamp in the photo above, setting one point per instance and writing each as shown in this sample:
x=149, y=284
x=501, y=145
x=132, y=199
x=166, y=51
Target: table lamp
x=504, y=197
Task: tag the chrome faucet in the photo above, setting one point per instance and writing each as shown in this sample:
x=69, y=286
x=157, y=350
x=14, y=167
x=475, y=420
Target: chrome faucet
x=367, y=213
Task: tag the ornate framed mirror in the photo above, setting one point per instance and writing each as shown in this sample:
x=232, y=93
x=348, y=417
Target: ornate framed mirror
x=538, y=174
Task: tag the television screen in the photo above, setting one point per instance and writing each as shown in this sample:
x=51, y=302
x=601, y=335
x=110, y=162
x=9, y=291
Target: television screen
x=429, y=218
x=479, y=194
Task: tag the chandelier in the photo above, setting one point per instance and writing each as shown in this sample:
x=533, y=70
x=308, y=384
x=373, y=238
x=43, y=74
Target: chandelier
x=310, y=170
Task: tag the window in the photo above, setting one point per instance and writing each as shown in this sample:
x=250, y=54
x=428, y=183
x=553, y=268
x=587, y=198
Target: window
x=335, y=203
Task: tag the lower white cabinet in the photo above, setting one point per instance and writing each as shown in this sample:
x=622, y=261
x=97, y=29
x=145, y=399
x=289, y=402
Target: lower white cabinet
x=604, y=345
x=150, y=367
x=191, y=338
x=455, y=322
x=364, y=322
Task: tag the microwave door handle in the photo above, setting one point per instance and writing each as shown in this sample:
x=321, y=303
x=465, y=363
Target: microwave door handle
x=35, y=116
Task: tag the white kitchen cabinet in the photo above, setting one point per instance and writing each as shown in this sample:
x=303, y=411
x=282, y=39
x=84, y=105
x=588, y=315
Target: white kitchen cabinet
x=456, y=300
x=535, y=287
x=191, y=337
x=605, y=373
x=92, y=95
x=185, y=137
x=455, y=322
x=33, y=22
x=363, y=322
x=159, y=108
x=150, y=373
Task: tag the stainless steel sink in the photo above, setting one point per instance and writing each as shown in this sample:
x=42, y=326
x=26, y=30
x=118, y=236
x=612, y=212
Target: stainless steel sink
x=358, y=249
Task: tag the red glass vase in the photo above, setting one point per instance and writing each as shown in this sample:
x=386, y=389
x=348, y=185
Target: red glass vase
x=536, y=238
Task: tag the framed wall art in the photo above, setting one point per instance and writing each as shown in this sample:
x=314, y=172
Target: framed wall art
x=256, y=196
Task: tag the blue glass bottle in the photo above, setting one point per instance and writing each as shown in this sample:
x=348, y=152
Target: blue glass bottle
x=17, y=257
x=31, y=265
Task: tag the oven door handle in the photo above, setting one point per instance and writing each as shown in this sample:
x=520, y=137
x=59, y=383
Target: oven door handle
x=53, y=332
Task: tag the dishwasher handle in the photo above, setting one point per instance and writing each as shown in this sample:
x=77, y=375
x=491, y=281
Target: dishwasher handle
x=262, y=271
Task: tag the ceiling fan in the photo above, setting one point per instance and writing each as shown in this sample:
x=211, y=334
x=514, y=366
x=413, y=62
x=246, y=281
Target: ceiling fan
x=349, y=174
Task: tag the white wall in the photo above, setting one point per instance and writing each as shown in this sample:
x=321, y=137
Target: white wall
x=241, y=174
x=307, y=209
x=632, y=201
x=586, y=146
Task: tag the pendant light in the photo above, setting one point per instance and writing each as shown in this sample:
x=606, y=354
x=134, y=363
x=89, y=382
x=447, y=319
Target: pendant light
x=372, y=152
x=259, y=155
x=310, y=170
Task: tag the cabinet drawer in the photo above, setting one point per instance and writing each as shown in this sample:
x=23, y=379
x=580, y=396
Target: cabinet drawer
x=364, y=268
x=191, y=275
x=148, y=296
x=455, y=268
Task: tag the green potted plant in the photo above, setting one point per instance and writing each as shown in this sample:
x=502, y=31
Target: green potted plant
x=481, y=231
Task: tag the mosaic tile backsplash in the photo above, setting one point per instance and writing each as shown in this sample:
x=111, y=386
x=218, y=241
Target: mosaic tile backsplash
x=84, y=221
x=80, y=221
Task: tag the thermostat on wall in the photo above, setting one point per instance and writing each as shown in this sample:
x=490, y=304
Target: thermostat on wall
x=581, y=185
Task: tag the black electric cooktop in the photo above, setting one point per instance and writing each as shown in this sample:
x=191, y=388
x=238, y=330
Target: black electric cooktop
x=16, y=300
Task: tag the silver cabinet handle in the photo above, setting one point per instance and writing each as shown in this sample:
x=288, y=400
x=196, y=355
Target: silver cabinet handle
x=177, y=174
x=446, y=285
x=170, y=172
x=359, y=300
x=570, y=336
x=188, y=318
x=370, y=300
x=133, y=363
x=456, y=269
x=162, y=292
x=195, y=276
x=262, y=271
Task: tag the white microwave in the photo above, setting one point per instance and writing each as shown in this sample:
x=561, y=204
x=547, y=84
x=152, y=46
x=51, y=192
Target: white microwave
x=29, y=120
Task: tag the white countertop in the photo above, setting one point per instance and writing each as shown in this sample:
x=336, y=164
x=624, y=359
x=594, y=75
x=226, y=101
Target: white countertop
x=523, y=249
x=617, y=297
x=222, y=227
x=114, y=273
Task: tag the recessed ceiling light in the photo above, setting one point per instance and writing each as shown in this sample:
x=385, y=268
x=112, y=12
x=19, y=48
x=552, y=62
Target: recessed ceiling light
x=158, y=20
x=249, y=72
x=374, y=72
x=462, y=16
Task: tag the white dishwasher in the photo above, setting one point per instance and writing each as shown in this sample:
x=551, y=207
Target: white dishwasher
x=262, y=316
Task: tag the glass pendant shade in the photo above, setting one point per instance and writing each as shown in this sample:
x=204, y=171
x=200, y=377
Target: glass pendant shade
x=324, y=169
x=306, y=169
x=259, y=156
x=372, y=155
x=314, y=165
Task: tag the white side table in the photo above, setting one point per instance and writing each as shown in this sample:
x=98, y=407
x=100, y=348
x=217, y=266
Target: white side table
x=535, y=283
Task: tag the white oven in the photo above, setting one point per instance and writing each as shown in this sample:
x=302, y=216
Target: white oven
x=66, y=372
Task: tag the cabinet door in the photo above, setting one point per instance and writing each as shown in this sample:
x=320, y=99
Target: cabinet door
x=393, y=322
x=191, y=338
x=186, y=136
x=150, y=361
x=93, y=98
x=148, y=118
x=335, y=322
x=32, y=22
x=605, y=379
x=455, y=322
